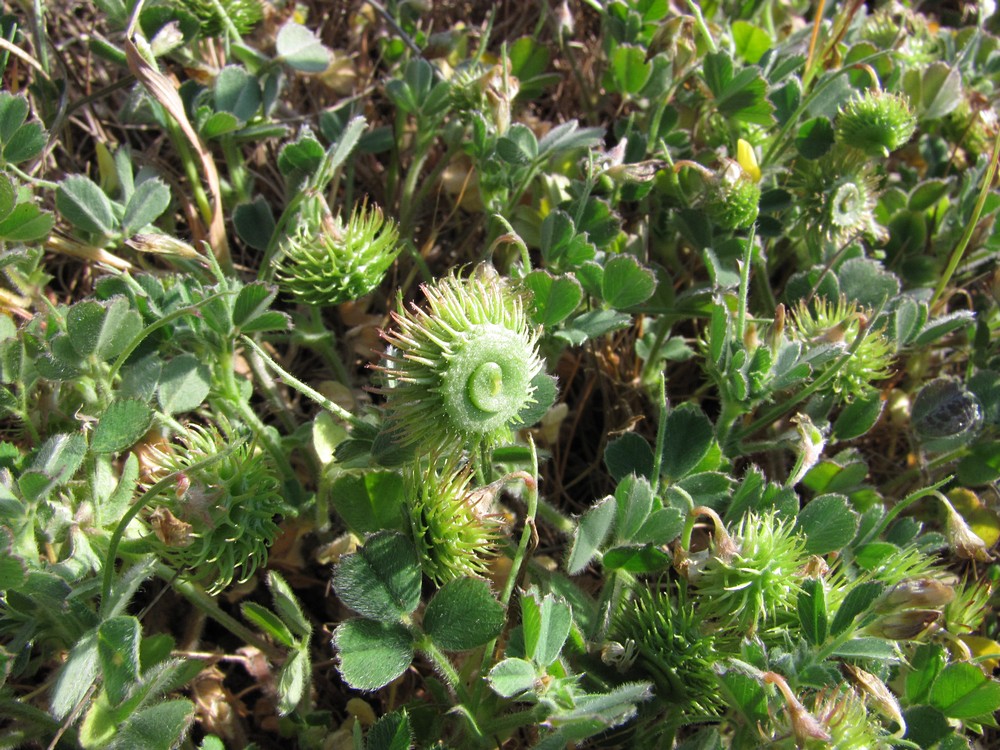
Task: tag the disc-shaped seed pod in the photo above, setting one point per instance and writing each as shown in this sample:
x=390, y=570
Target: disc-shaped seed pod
x=459, y=374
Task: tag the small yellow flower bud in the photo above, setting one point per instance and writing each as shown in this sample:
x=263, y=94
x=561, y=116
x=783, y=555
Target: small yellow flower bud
x=748, y=160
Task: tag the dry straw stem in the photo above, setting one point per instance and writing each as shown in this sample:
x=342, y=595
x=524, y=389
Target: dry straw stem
x=163, y=91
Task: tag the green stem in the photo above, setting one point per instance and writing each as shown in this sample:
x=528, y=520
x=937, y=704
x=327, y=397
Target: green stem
x=293, y=382
x=282, y=229
x=663, y=326
x=689, y=523
x=520, y=554
x=430, y=182
x=165, y=320
x=407, y=207
x=555, y=518
x=531, y=481
x=35, y=181
x=898, y=508
x=271, y=444
x=323, y=341
x=512, y=236
x=238, y=176
x=190, y=169
x=233, y=401
x=730, y=413
x=444, y=666
x=849, y=633
x=269, y=388
x=744, y=289
x=970, y=227
x=703, y=29
x=764, y=283
x=908, y=476
x=41, y=37
x=661, y=429
x=611, y=594
x=223, y=17
x=504, y=725
x=210, y=607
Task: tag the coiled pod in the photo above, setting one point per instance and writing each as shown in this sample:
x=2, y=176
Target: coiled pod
x=837, y=195
x=876, y=123
x=460, y=373
x=218, y=525
x=327, y=261
x=455, y=528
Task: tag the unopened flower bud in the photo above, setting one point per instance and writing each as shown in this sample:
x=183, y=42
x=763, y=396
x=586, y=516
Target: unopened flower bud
x=921, y=593
x=905, y=625
x=748, y=160
x=879, y=694
x=805, y=726
x=725, y=547
x=966, y=542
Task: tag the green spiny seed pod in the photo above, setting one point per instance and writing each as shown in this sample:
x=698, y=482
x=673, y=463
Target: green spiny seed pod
x=733, y=197
x=837, y=195
x=839, y=324
x=845, y=716
x=454, y=526
x=243, y=14
x=876, y=123
x=760, y=581
x=662, y=638
x=326, y=261
x=221, y=519
x=460, y=373
x=882, y=28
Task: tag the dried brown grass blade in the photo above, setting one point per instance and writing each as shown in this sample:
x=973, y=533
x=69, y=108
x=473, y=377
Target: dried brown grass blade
x=162, y=89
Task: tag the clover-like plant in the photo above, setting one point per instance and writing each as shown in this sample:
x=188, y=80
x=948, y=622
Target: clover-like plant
x=461, y=372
